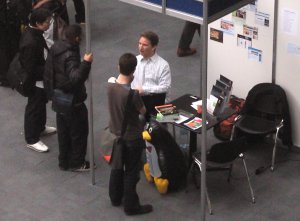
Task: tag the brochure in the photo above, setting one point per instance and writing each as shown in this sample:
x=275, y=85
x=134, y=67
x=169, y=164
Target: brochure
x=194, y=124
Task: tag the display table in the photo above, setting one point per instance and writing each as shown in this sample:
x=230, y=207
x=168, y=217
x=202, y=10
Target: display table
x=183, y=103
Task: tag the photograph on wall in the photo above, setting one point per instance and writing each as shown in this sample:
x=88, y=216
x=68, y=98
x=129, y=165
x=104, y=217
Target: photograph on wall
x=262, y=19
x=244, y=41
x=251, y=32
x=294, y=49
x=216, y=35
x=254, y=54
x=227, y=27
x=240, y=14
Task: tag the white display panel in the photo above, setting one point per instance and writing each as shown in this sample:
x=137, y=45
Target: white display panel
x=232, y=57
x=288, y=59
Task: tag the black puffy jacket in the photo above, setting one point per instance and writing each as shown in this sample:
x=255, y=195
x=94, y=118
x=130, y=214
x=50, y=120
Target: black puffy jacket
x=65, y=71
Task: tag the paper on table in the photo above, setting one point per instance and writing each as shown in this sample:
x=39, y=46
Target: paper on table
x=194, y=104
x=181, y=119
x=211, y=104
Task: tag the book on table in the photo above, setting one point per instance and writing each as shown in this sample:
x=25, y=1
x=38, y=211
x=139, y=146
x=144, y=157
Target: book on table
x=167, y=113
x=194, y=124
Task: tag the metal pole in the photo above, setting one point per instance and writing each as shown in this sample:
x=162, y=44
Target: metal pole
x=164, y=6
x=204, y=33
x=274, y=58
x=90, y=91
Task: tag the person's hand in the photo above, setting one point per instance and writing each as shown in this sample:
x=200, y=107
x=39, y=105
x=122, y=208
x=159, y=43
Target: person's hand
x=140, y=89
x=88, y=57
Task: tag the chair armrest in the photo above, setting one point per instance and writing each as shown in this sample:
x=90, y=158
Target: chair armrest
x=280, y=125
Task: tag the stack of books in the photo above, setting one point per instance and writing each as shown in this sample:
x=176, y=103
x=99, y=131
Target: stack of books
x=167, y=113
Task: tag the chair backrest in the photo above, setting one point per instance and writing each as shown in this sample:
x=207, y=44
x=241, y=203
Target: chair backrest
x=228, y=151
x=265, y=100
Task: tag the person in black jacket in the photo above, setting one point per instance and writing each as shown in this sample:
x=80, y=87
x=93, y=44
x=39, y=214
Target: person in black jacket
x=10, y=33
x=69, y=75
x=32, y=48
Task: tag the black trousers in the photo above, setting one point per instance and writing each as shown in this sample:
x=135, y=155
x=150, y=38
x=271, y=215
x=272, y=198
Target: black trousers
x=188, y=34
x=72, y=132
x=35, y=115
x=151, y=101
x=80, y=11
x=122, y=182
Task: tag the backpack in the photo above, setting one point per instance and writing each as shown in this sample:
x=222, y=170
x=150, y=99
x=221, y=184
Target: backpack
x=223, y=130
x=18, y=77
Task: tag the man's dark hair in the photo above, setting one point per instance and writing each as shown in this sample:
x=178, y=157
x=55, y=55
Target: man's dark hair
x=39, y=15
x=151, y=36
x=72, y=32
x=127, y=64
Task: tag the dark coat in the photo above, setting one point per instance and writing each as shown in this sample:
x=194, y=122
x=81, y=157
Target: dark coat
x=281, y=102
x=68, y=73
x=32, y=46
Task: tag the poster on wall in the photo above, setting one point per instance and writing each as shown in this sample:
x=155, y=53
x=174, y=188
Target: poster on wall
x=251, y=32
x=289, y=21
x=244, y=41
x=262, y=19
x=216, y=35
x=294, y=49
x=227, y=27
x=254, y=54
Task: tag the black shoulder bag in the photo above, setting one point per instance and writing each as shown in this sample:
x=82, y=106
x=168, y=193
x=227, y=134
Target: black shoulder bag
x=18, y=77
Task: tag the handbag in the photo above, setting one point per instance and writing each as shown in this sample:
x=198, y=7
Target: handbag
x=111, y=144
x=62, y=102
x=18, y=77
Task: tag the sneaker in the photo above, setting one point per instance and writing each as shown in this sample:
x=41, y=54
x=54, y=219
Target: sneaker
x=84, y=167
x=143, y=209
x=48, y=131
x=38, y=147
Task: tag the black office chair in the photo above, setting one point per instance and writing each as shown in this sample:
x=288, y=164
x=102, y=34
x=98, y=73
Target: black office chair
x=265, y=113
x=221, y=157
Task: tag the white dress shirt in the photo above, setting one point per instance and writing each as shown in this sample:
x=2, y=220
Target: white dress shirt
x=152, y=74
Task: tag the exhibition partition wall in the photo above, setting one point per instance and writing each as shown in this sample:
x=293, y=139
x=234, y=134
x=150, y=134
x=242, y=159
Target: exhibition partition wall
x=247, y=36
x=288, y=59
x=240, y=47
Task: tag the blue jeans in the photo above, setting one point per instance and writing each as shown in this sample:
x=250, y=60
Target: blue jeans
x=123, y=181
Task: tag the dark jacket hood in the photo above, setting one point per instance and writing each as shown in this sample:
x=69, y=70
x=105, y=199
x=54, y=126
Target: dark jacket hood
x=62, y=46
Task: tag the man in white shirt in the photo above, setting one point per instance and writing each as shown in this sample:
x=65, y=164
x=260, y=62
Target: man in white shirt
x=152, y=76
